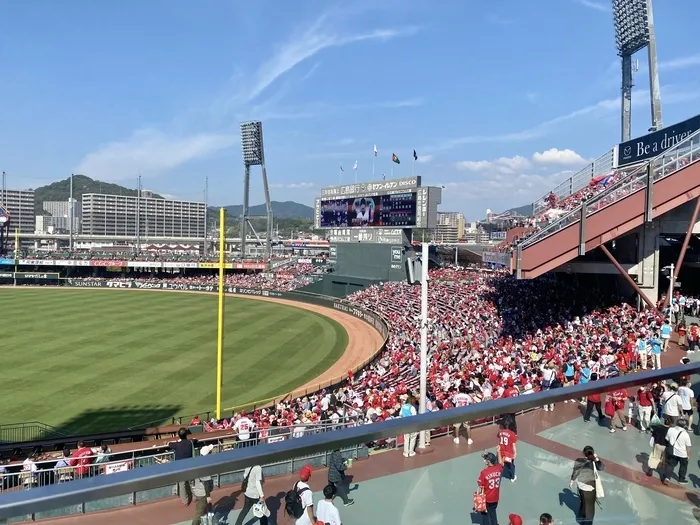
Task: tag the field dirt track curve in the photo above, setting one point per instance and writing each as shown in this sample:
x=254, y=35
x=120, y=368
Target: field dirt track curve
x=363, y=340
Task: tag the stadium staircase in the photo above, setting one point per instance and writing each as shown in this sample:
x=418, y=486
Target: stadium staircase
x=653, y=189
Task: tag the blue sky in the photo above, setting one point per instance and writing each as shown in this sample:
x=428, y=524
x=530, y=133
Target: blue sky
x=500, y=99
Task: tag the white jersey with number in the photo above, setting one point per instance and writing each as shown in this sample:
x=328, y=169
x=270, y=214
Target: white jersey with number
x=461, y=400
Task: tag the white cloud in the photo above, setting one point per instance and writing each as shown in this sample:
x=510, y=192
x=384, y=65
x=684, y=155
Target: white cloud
x=305, y=44
x=671, y=95
x=565, y=157
x=590, y=4
x=504, y=165
x=520, y=188
x=680, y=63
x=424, y=159
x=523, y=167
x=293, y=185
x=151, y=152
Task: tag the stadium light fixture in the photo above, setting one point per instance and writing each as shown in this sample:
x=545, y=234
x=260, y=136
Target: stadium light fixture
x=252, y=143
x=631, y=19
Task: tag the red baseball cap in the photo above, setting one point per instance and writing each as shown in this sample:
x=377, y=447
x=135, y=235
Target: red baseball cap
x=514, y=519
x=305, y=473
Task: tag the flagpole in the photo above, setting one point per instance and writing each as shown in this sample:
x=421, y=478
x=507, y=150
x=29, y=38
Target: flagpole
x=373, y=159
x=392, y=170
x=355, y=175
x=414, y=167
x=340, y=175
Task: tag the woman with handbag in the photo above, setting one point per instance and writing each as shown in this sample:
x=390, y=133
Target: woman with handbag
x=586, y=479
x=657, y=458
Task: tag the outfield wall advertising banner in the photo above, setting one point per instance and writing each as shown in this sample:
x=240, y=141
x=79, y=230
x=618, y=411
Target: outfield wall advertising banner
x=29, y=275
x=144, y=264
x=107, y=263
x=72, y=262
x=6, y=261
x=35, y=262
x=180, y=265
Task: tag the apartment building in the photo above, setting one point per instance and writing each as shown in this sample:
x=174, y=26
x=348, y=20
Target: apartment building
x=20, y=204
x=120, y=215
x=450, y=227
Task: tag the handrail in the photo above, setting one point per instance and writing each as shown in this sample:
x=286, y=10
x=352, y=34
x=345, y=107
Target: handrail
x=572, y=216
x=91, y=489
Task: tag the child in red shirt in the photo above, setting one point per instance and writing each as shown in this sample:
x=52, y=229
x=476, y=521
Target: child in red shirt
x=506, y=451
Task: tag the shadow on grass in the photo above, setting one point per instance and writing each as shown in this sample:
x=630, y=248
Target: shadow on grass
x=116, y=418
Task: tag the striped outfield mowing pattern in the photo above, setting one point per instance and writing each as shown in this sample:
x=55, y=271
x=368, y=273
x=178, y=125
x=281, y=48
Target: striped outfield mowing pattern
x=96, y=360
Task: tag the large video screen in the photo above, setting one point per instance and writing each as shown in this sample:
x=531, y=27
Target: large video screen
x=391, y=211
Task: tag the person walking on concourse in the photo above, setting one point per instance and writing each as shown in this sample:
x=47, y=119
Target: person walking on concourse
x=583, y=477
x=489, y=484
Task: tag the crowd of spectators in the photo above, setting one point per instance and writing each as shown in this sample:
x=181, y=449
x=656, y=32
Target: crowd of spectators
x=483, y=342
x=285, y=279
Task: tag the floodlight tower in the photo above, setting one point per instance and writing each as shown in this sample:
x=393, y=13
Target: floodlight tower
x=634, y=30
x=254, y=155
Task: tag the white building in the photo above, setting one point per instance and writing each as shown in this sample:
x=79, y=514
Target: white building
x=450, y=227
x=20, y=204
x=120, y=214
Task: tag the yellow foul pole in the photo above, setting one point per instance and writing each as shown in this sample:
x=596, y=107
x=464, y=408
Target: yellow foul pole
x=220, y=319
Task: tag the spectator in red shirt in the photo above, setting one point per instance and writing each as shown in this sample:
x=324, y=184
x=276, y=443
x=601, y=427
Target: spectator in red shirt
x=81, y=459
x=645, y=400
x=507, y=451
x=195, y=421
x=593, y=401
x=489, y=484
x=616, y=400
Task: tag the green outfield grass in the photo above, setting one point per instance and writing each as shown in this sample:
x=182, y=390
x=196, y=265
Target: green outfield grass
x=99, y=360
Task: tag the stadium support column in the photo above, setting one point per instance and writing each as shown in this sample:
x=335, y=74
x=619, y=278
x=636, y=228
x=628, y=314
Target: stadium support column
x=626, y=99
x=627, y=277
x=244, y=211
x=684, y=248
x=423, y=338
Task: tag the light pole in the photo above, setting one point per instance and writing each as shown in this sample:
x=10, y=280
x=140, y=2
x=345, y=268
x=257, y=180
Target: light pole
x=254, y=155
x=634, y=30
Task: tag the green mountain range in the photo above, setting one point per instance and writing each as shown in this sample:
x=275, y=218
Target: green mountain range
x=60, y=191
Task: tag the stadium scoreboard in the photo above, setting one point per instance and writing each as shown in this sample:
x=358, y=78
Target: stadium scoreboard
x=358, y=212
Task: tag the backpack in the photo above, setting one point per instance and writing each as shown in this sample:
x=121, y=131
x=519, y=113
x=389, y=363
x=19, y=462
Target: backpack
x=292, y=502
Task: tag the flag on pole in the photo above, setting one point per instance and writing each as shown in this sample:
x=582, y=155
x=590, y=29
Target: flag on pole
x=383, y=176
x=395, y=159
x=415, y=155
x=341, y=169
x=355, y=166
x=375, y=150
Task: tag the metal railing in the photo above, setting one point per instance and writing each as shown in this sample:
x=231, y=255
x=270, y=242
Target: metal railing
x=668, y=163
x=26, y=503
x=58, y=469
x=600, y=166
x=28, y=431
